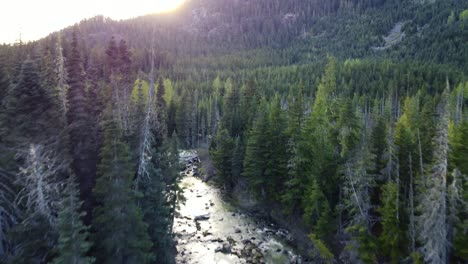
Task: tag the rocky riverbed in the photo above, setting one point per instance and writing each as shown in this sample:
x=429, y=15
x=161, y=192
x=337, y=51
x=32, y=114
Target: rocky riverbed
x=210, y=230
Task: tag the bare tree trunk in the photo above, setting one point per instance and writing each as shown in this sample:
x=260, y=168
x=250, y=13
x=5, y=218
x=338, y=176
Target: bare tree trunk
x=412, y=230
x=421, y=165
x=146, y=135
x=62, y=79
x=433, y=220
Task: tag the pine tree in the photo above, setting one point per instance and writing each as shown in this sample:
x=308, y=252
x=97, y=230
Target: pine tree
x=433, y=204
x=317, y=212
x=82, y=148
x=158, y=201
x=317, y=154
x=61, y=73
x=391, y=237
x=459, y=190
x=121, y=235
x=276, y=148
x=30, y=111
x=4, y=81
x=222, y=157
x=291, y=196
x=255, y=161
x=357, y=186
x=231, y=119
x=161, y=114
x=237, y=158
x=170, y=167
x=73, y=234
x=349, y=129
x=161, y=92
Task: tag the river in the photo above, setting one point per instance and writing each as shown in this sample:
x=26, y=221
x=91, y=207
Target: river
x=211, y=230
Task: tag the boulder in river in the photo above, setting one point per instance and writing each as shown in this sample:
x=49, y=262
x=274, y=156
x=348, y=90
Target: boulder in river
x=203, y=217
x=246, y=241
x=225, y=248
x=207, y=233
x=238, y=231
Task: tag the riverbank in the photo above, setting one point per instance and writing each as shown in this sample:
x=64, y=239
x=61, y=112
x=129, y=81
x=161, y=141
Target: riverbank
x=210, y=229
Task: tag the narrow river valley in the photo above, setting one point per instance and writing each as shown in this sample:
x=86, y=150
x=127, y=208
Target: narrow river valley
x=210, y=230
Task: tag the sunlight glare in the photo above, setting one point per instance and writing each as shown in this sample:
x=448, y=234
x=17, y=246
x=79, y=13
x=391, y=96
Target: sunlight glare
x=35, y=19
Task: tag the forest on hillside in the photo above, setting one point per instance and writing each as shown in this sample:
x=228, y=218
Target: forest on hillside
x=362, y=142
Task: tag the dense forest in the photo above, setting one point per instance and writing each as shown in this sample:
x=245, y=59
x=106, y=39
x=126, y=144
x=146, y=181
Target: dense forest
x=350, y=116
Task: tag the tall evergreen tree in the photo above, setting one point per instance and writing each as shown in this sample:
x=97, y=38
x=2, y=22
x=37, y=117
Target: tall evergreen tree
x=433, y=204
x=82, y=149
x=73, y=244
x=120, y=236
x=222, y=157
x=458, y=183
x=29, y=110
x=391, y=237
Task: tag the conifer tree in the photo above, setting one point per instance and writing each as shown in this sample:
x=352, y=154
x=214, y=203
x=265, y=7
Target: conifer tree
x=82, y=149
x=391, y=237
x=121, y=236
x=433, y=203
x=291, y=197
x=276, y=149
x=4, y=82
x=316, y=148
x=459, y=190
x=159, y=196
x=222, y=157
x=237, y=158
x=73, y=244
x=357, y=186
x=255, y=161
x=30, y=111
x=61, y=73
x=317, y=212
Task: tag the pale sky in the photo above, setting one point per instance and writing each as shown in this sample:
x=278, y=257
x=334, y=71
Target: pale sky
x=35, y=19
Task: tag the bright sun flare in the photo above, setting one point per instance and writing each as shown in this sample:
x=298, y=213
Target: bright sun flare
x=132, y=8
x=35, y=19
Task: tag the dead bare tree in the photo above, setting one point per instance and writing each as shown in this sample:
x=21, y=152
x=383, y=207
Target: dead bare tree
x=40, y=188
x=433, y=204
x=147, y=137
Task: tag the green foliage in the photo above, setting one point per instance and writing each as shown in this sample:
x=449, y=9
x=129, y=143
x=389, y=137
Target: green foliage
x=222, y=156
x=317, y=211
x=261, y=91
x=391, y=237
x=30, y=111
x=82, y=140
x=73, y=244
x=323, y=252
x=266, y=154
x=140, y=91
x=349, y=128
x=459, y=155
x=417, y=258
x=169, y=91
x=451, y=18
x=35, y=238
x=120, y=236
x=366, y=244
x=464, y=15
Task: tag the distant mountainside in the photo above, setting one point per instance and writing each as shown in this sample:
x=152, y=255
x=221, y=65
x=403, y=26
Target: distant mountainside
x=301, y=31
x=254, y=33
